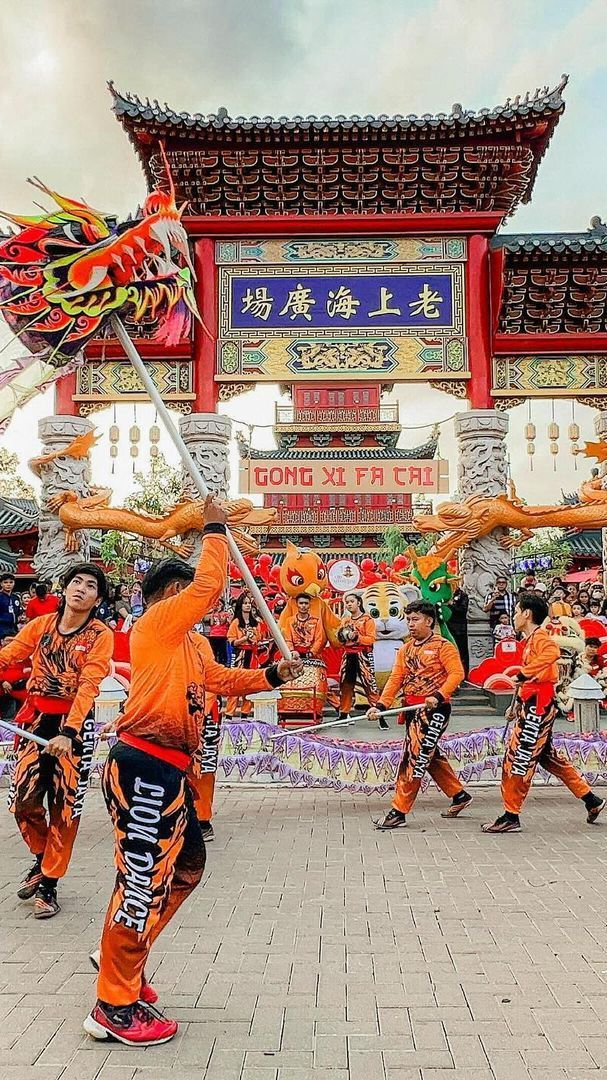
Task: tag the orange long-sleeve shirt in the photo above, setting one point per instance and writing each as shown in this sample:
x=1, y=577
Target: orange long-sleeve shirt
x=365, y=628
x=65, y=666
x=237, y=634
x=423, y=668
x=540, y=655
x=305, y=636
x=166, y=700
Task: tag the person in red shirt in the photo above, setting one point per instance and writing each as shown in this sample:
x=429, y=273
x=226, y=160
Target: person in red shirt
x=70, y=653
x=534, y=711
x=42, y=603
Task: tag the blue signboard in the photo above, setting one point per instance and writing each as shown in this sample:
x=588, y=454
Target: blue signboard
x=299, y=302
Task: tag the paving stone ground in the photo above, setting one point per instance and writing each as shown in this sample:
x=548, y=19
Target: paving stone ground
x=320, y=948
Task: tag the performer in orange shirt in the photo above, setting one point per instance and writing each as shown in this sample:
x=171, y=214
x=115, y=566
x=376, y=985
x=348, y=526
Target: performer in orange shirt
x=534, y=711
x=159, y=849
x=245, y=634
x=357, y=633
x=304, y=633
x=223, y=680
x=70, y=653
x=427, y=671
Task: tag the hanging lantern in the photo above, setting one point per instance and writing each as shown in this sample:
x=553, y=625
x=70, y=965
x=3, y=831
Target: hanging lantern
x=134, y=434
x=553, y=431
x=573, y=432
x=154, y=451
x=530, y=435
x=114, y=439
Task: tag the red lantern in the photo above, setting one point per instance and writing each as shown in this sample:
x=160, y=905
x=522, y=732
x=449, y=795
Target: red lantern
x=400, y=562
x=367, y=565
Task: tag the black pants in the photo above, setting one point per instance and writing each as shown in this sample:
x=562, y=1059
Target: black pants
x=219, y=646
x=160, y=858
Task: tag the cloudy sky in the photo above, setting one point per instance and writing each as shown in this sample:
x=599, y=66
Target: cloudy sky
x=292, y=57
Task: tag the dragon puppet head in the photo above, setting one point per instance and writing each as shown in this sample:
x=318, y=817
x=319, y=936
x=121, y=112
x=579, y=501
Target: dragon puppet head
x=64, y=272
x=431, y=574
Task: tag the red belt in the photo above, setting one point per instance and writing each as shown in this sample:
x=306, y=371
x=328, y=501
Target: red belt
x=177, y=758
x=543, y=693
x=35, y=704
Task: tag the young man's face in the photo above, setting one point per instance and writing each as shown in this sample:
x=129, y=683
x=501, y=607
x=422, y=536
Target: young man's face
x=303, y=605
x=82, y=593
x=7, y=585
x=592, y=652
x=420, y=625
x=520, y=619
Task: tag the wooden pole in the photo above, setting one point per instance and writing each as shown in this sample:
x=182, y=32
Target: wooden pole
x=190, y=465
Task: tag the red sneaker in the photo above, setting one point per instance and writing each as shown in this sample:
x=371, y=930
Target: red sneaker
x=135, y=1025
x=148, y=995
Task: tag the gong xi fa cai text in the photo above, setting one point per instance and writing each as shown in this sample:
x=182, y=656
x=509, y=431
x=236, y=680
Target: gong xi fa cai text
x=259, y=476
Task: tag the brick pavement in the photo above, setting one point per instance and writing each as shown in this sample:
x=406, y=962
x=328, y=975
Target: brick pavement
x=320, y=948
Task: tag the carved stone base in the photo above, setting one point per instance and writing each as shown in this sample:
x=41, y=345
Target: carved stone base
x=64, y=474
x=482, y=470
x=207, y=437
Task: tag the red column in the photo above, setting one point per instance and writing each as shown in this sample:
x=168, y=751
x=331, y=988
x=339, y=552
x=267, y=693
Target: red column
x=478, y=308
x=205, y=335
x=65, y=390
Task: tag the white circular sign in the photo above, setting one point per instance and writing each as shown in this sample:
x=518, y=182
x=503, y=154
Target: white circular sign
x=344, y=575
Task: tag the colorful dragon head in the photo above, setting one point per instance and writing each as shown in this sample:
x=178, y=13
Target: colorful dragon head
x=64, y=272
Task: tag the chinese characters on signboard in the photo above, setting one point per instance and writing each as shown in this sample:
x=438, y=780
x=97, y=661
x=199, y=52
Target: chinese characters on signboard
x=306, y=302
x=269, y=476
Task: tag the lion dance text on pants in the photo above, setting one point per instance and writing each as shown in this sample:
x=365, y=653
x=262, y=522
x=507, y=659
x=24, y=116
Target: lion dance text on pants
x=530, y=745
x=160, y=858
x=421, y=755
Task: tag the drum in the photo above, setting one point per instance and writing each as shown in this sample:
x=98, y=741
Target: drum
x=308, y=693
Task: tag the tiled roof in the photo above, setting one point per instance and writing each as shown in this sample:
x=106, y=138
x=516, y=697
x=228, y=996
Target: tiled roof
x=482, y=161
x=18, y=516
x=587, y=544
x=428, y=450
x=530, y=106
x=594, y=239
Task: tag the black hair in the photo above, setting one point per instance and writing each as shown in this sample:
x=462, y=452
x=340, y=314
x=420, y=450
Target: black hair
x=162, y=574
x=253, y=621
x=303, y=596
x=594, y=641
x=7, y=577
x=536, y=605
x=91, y=571
x=423, y=607
x=41, y=590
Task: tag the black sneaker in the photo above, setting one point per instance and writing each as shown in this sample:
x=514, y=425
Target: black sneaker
x=30, y=883
x=392, y=820
x=135, y=1025
x=207, y=831
x=45, y=902
x=502, y=824
x=595, y=810
x=459, y=803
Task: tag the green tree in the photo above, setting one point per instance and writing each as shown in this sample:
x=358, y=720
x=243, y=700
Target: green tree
x=550, y=542
x=155, y=493
x=157, y=490
x=12, y=485
x=396, y=543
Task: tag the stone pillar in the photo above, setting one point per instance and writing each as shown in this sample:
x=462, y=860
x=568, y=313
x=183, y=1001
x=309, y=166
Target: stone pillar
x=600, y=427
x=207, y=437
x=63, y=474
x=482, y=470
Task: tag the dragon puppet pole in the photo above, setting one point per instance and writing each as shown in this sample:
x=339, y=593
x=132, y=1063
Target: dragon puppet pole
x=190, y=466
x=22, y=733
x=311, y=730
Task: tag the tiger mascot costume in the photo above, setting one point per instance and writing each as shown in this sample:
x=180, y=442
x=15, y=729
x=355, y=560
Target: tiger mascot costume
x=386, y=602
